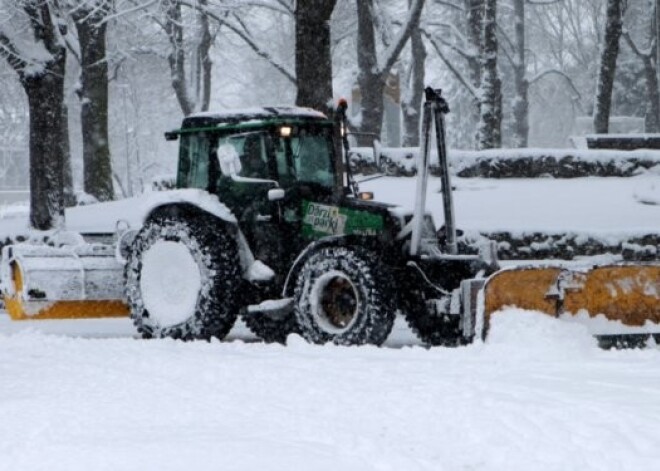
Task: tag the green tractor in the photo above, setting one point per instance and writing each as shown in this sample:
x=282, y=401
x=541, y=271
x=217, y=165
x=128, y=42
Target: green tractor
x=267, y=223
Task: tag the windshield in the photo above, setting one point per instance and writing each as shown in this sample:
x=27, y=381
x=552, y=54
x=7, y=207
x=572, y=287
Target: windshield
x=306, y=156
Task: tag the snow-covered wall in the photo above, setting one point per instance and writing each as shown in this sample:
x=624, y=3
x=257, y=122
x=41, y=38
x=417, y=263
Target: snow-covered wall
x=513, y=163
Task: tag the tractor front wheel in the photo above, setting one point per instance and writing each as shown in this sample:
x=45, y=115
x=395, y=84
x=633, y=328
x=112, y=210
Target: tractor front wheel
x=342, y=296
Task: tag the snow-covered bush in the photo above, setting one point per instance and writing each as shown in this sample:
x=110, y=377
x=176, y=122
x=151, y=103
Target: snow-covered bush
x=556, y=163
x=542, y=245
x=163, y=182
x=511, y=163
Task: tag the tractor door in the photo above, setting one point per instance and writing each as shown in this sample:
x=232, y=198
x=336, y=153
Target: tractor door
x=306, y=172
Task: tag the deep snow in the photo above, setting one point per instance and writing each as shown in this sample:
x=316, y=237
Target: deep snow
x=539, y=395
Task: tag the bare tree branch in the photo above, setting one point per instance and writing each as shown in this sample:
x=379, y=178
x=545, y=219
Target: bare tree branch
x=392, y=53
x=459, y=76
x=568, y=80
x=244, y=33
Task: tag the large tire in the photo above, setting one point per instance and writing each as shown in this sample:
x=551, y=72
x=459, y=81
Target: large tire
x=271, y=330
x=182, y=277
x=341, y=296
x=433, y=330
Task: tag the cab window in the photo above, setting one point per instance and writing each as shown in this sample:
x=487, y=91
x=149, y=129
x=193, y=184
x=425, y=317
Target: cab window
x=193, y=169
x=252, y=151
x=310, y=157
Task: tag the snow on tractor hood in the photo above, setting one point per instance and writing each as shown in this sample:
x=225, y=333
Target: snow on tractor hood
x=200, y=198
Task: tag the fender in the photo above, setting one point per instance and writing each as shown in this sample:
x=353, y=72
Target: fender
x=194, y=197
x=200, y=201
x=354, y=240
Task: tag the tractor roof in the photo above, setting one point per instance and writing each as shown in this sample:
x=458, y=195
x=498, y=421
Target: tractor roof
x=247, y=118
x=254, y=115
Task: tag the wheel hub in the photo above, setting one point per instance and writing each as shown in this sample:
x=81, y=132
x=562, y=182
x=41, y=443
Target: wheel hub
x=170, y=282
x=337, y=300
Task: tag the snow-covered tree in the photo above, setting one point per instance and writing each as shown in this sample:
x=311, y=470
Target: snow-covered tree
x=470, y=51
x=191, y=83
x=31, y=41
x=647, y=54
x=490, y=104
x=89, y=18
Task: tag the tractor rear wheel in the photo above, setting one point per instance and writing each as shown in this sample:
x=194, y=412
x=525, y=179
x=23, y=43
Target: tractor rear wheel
x=342, y=296
x=182, y=276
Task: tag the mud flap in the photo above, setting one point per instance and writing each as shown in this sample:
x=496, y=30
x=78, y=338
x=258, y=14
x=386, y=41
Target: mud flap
x=629, y=294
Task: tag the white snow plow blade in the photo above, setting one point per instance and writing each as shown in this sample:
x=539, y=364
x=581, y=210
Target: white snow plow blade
x=41, y=282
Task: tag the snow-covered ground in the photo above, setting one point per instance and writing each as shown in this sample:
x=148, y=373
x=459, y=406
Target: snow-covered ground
x=538, y=395
x=606, y=207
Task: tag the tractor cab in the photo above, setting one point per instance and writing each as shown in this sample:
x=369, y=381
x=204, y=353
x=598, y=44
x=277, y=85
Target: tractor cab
x=277, y=170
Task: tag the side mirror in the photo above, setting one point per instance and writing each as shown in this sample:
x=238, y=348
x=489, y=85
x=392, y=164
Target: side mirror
x=229, y=160
x=275, y=194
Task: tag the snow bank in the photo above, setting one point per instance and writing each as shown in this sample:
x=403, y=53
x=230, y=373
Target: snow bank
x=536, y=218
x=539, y=334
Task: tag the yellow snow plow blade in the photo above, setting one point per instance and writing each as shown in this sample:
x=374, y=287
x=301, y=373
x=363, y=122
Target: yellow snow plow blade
x=626, y=293
x=61, y=283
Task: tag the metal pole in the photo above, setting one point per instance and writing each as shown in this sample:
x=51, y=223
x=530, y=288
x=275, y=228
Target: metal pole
x=440, y=109
x=422, y=179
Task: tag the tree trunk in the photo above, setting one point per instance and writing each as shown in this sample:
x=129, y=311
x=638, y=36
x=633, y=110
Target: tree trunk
x=474, y=17
x=653, y=113
x=490, y=107
x=45, y=94
x=176, y=57
x=67, y=174
x=205, y=43
x=657, y=38
x=607, y=71
x=97, y=166
x=521, y=100
x=370, y=80
x=44, y=86
x=412, y=103
x=313, y=54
